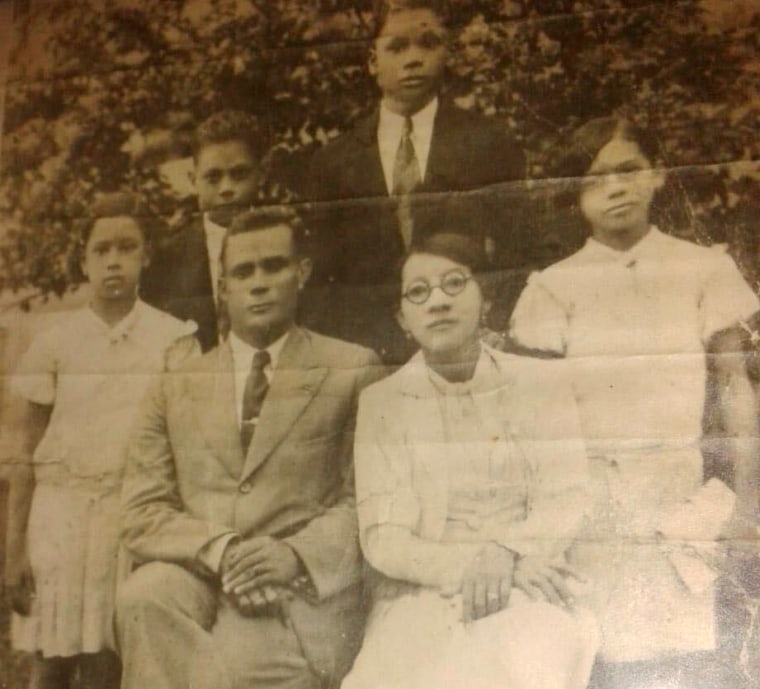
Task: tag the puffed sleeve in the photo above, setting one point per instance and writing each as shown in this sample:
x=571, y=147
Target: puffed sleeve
x=35, y=376
x=548, y=433
x=539, y=320
x=726, y=297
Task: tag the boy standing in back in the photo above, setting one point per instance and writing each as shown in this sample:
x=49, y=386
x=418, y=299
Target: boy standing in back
x=183, y=276
x=414, y=149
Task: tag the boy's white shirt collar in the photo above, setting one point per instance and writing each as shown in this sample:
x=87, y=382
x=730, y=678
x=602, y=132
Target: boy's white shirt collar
x=214, y=235
x=242, y=353
x=389, y=129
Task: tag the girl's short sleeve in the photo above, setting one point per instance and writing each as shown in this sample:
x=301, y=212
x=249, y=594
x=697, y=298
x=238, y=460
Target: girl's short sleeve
x=726, y=296
x=539, y=320
x=35, y=376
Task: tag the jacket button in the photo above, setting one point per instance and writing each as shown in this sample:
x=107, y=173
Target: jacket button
x=245, y=487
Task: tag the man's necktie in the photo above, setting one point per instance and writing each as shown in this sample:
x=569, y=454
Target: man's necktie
x=256, y=387
x=406, y=178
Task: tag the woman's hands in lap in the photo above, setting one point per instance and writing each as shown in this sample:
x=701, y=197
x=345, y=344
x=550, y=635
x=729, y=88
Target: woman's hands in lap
x=487, y=582
x=542, y=580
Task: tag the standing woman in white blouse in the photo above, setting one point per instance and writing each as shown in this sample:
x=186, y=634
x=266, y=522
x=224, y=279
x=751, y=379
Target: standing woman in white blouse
x=633, y=311
x=471, y=483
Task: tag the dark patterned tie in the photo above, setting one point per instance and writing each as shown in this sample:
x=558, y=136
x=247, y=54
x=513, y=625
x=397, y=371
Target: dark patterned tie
x=406, y=178
x=256, y=387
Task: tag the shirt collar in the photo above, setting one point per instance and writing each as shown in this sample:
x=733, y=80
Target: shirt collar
x=422, y=121
x=649, y=245
x=242, y=352
x=417, y=380
x=121, y=330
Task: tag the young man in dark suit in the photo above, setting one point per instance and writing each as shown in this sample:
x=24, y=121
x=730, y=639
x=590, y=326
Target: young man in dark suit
x=183, y=276
x=415, y=143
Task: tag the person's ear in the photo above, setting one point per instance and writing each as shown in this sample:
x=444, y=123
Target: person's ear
x=372, y=61
x=193, y=177
x=305, y=267
x=83, y=266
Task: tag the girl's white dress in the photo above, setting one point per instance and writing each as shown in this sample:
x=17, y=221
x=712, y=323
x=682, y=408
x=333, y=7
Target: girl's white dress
x=634, y=326
x=454, y=466
x=94, y=376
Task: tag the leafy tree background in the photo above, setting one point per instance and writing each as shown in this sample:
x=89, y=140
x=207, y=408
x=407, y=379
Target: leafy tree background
x=105, y=93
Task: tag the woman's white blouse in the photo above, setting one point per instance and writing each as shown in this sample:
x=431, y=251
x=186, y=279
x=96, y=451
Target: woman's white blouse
x=635, y=324
x=410, y=454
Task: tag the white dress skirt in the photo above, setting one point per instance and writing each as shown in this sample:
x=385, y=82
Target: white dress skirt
x=418, y=641
x=94, y=377
x=634, y=325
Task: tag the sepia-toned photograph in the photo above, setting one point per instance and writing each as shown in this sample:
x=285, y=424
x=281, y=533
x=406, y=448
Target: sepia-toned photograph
x=385, y=344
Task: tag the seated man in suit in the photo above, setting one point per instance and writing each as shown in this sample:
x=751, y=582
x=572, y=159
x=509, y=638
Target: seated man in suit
x=238, y=499
x=414, y=143
x=183, y=276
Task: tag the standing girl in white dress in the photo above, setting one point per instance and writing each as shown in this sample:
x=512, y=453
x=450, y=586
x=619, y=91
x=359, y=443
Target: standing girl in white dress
x=471, y=482
x=634, y=310
x=83, y=379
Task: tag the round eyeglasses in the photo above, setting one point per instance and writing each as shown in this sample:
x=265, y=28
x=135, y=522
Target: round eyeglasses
x=452, y=283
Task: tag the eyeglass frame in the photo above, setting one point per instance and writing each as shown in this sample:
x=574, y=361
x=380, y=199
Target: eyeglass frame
x=430, y=288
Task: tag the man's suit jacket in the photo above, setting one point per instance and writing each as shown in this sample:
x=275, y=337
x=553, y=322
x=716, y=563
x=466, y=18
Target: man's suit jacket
x=187, y=481
x=359, y=244
x=178, y=280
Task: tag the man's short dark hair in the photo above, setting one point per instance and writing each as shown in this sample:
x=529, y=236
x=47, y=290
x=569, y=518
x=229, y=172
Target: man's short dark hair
x=585, y=143
x=382, y=8
x=230, y=125
x=263, y=217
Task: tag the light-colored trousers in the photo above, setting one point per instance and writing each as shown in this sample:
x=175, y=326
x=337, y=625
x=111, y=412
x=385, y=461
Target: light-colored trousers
x=176, y=631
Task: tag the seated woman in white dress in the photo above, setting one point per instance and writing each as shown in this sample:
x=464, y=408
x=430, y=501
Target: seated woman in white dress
x=471, y=483
x=634, y=312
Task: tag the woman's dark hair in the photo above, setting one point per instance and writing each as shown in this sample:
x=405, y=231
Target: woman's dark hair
x=118, y=204
x=669, y=206
x=584, y=145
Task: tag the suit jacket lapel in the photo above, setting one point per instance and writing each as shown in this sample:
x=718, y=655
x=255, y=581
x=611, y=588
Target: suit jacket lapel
x=442, y=173
x=296, y=380
x=213, y=398
x=365, y=169
x=196, y=274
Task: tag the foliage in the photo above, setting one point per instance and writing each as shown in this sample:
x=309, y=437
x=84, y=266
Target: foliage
x=105, y=93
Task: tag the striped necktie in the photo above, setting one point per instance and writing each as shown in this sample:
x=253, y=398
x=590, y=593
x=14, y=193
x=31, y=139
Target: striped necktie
x=256, y=387
x=406, y=178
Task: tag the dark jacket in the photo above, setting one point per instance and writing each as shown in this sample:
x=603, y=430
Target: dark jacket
x=358, y=243
x=178, y=280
